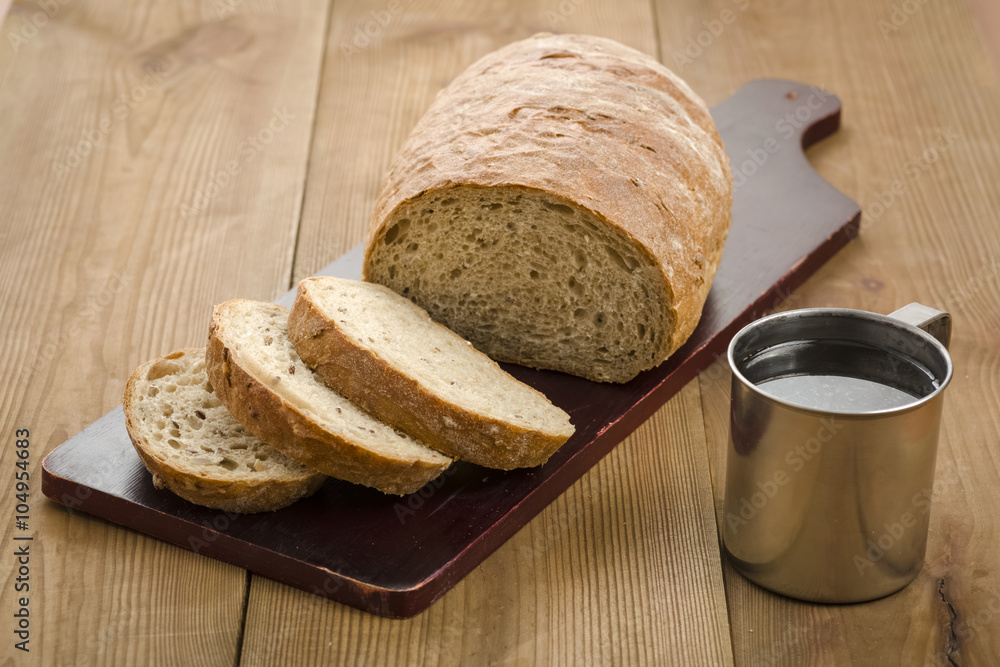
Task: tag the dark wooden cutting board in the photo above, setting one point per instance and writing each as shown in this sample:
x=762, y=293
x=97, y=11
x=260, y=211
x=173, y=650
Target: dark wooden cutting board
x=395, y=556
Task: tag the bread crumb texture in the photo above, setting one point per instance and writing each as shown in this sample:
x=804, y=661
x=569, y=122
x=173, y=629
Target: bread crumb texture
x=387, y=355
x=193, y=446
x=563, y=204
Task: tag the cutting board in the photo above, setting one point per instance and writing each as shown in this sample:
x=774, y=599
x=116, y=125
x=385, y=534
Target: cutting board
x=394, y=556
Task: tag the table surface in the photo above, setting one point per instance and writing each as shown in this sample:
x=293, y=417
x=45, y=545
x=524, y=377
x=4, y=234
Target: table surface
x=159, y=160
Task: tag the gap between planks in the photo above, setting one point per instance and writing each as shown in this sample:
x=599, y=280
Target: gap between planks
x=248, y=582
x=312, y=144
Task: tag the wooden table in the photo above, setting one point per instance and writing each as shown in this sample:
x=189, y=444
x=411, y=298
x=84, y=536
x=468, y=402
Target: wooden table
x=159, y=158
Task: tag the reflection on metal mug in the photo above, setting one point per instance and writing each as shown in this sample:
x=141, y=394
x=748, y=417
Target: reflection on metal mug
x=833, y=438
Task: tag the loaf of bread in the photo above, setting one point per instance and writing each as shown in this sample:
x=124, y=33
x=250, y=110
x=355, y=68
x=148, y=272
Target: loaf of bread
x=258, y=375
x=563, y=204
x=385, y=354
x=192, y=446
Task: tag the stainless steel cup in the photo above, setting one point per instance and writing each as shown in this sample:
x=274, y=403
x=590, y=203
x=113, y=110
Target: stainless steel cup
x=833, y=440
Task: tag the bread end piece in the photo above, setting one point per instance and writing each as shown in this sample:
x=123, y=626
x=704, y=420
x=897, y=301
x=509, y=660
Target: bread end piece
x=192, y=446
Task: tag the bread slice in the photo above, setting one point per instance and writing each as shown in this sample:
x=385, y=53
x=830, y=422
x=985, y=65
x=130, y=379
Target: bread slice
x=386, y=354
x=192, y=445
x=563, y=204
x=258, y=375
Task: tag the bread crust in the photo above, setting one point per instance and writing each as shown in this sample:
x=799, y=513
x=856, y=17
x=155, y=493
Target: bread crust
x=401, y=400
x=635, y=147
x=240, y=496
x=237, y=497
x=278, y=423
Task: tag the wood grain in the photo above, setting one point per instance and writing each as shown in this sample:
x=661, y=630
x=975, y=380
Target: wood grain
x=376, y=88
x=101, y=270
x=987, y=19
x=920, y=126
x=614, y=572
x=104, y=267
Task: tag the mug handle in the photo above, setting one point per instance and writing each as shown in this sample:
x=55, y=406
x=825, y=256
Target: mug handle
x=935, y=322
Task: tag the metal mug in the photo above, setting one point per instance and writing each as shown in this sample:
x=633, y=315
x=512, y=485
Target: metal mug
x=833, y=439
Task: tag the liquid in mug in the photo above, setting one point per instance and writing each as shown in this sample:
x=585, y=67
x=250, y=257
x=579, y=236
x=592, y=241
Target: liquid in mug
x=837, y=393
x=839, y=376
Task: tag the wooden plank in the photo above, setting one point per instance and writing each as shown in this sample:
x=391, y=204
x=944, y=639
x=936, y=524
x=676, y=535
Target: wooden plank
x=376, y=88
x=118, y=124
x=918, y=145
x=987, y=19
x=584, y=597
x=355, y=558
x=609, y=574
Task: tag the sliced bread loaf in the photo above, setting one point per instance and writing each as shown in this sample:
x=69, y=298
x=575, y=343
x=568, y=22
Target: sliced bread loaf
x=258, y=375
x=385, y=353
x=192, y=445
x=563, y=204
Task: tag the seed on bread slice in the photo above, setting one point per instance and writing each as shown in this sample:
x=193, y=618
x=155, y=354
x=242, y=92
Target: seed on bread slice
x=385, y=353
x=192, y=445
x=258, y=375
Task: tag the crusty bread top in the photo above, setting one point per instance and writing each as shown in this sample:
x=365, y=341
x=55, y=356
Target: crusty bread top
x=592, y=121
x=193, y=446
